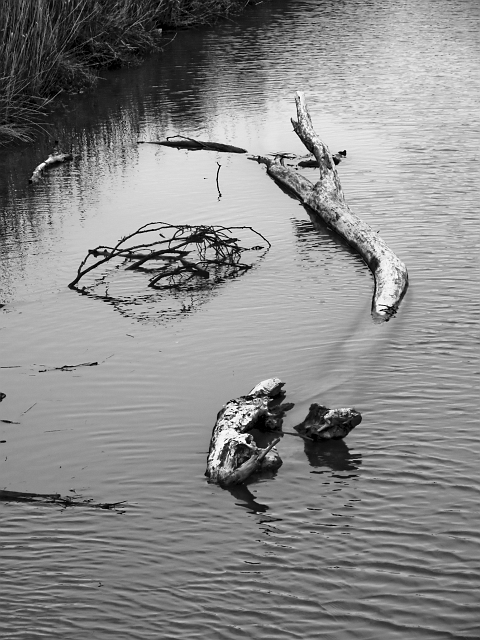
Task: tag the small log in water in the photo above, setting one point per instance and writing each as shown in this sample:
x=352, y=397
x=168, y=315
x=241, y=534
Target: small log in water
x=182, y=142
x=56, y=498
x=326, y=200
x=234, y=454
x=53, y=159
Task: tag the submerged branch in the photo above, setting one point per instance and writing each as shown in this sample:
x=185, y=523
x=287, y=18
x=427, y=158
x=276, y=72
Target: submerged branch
x=183, y=142
x=56, y=498
x=213, y=253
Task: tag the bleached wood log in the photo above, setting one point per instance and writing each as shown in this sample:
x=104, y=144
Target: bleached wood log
x=326, y=199
x=54, y=158
x=234, y=454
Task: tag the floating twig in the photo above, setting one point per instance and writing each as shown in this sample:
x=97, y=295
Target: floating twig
x=69, y=367
x=218, y=186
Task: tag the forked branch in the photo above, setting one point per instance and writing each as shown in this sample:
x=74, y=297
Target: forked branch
x=176, y=254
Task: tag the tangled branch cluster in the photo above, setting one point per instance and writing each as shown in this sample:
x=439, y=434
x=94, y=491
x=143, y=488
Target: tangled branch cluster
x=176, y=255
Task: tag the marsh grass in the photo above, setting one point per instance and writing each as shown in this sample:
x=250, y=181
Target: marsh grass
x=47, y=46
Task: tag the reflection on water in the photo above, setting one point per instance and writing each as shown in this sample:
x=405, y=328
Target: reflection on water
x=181, y=267
x=242, y=492
x=376, y=536
x=334, y=455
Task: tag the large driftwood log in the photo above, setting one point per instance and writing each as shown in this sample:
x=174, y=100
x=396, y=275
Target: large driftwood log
x=326, y=199
x=53, y=159
x=234, y=454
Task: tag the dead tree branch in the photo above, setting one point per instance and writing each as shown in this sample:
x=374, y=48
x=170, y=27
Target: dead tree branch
x=214, y=253
x=183, y=142
x=327, y=201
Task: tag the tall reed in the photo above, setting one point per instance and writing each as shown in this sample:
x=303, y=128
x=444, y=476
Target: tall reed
x=50, y=45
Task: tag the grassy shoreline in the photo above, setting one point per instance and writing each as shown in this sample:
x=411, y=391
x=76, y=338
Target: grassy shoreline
x=49, y=46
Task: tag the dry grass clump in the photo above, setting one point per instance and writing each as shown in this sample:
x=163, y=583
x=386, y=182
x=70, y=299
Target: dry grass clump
x=189, y=12
x=50, y=45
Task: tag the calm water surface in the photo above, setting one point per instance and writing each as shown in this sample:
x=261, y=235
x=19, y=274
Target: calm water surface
x=373, y=538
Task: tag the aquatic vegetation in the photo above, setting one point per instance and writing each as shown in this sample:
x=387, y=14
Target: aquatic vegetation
x=47, y=46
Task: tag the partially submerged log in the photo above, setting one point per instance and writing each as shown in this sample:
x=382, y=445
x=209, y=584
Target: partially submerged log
x=313, y=163
x=328, y=424
x=326, y=200
x=182, y=142
x=53, y=159
x=234, y=454
x=55, y=498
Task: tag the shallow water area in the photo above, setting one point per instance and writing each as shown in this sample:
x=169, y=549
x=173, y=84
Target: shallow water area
x=374, y=537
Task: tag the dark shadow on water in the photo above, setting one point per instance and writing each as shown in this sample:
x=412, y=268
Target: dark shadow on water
x=333, y=454
x=247, y=499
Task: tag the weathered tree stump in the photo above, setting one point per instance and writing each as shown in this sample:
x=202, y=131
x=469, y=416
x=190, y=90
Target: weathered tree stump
x=233, y=454
x=326, y=200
